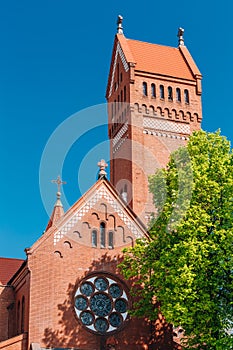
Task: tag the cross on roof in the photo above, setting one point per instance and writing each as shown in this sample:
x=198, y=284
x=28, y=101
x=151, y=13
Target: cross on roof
x=102, y=165
x=59, y=182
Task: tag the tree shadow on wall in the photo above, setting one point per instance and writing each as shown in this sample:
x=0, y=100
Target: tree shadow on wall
x=69, y=333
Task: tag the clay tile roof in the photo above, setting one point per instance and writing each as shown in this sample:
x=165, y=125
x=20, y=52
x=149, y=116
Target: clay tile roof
x=159, y=59
x=8, y=267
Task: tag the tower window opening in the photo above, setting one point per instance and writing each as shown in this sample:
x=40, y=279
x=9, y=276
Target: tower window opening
x=186, y=96
x=170, y=95
x=153, y=90
x=102, y=235
x=110, y=240
x=178, y=95
x=120, y=77
x=144, y=88
x=22, y=314
x=161, y=90
x=124, y=93
x=18, y=317
x=94, y=238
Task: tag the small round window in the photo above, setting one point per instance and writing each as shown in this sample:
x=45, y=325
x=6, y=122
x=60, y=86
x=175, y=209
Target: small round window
x=101, y=303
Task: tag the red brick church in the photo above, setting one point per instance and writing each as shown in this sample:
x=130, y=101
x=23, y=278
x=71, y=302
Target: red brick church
x=69, y=293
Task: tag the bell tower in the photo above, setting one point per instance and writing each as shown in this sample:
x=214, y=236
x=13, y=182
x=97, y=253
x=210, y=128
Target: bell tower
x=154, y=104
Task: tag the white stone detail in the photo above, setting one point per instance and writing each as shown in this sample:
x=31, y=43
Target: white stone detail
x=102, y=193
x=156, y=133
x=119, y=135
x=118, y=146
x=166, y=125
x=124, y=62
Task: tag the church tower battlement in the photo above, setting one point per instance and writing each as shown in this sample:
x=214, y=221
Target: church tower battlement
x=154, y=104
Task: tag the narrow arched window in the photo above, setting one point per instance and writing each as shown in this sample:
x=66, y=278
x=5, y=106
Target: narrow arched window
x=186, y=96
x=18, y=317
x=110, y=240
x=124, y=93
x=153, y=90
x=102, y=235
x=169, y=91
x=22, y=314
x=144, y=88
x=161, y=90
x=178, y=95
x=94, y=238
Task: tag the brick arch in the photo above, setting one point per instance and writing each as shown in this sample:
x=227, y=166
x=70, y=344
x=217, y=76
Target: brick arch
x=151, y=110
x=159, y=111
x=181, y=114
x=166, y=113
x=174, y=114
x=144, y=108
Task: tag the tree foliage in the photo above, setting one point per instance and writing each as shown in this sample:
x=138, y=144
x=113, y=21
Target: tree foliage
x=186, y=266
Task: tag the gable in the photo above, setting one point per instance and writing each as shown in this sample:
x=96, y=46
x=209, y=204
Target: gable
x=100, y=204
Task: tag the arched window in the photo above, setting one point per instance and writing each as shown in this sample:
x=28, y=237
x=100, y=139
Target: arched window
x=144, y=88
x=124, y=93
x=153, y=90
x=94, y=238
x=22, y=314
x=110, y=239
x=178, y=95
x=161, y=90
x=102, y=235
x=186, y=96
x=18, y=317
x=169, y=91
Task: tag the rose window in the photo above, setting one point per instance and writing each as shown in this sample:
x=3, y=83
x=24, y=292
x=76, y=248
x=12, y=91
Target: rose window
x=101, y=304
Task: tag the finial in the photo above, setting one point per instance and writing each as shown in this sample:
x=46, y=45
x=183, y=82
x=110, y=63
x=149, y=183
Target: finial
x=119, y=24
x=180, y=36
x=59, y=182
x=102, y=165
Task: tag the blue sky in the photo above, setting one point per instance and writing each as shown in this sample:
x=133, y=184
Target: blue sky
x=54, y=62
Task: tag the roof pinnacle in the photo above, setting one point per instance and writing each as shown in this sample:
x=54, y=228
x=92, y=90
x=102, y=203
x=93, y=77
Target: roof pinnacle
x=102, y=173
x=119, y=24
x=180, y=36
x=59, y=182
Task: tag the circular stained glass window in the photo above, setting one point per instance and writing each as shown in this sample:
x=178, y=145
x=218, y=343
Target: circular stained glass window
x=101, y=284
x=115, y=290
x=115, y=319
x=87, y=318
x=81, y=303
x=101, y=303
x=87, y=289
x=101, y=325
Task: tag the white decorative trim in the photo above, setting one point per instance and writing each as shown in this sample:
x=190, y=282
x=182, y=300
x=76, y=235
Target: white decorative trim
x=119, y=135
x=99, y=194
x=122, y=140
x=124, y=62
x=156, y=133
x=166, y=125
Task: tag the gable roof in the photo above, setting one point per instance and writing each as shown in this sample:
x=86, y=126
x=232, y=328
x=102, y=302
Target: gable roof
x=152, y=58
x=8, y=267
x=101, y=190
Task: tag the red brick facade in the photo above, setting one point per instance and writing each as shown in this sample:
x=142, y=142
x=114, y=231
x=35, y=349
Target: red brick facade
x=69, y=293
x=154, y=97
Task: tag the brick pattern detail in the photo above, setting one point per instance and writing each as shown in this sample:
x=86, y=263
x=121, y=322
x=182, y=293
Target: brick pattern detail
x=119, y=135
x=156, y=133
x=166, y=125
x=100, y=194
x=124, y=62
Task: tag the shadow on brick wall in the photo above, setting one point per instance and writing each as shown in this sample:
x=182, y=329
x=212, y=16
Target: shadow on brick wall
x=137, y=334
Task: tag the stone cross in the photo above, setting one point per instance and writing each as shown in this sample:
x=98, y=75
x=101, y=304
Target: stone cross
x=102, y=165
x=59, y=182
x=180, y=36
x=119, y=25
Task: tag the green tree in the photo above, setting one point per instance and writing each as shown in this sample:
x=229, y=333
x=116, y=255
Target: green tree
x=186, y=265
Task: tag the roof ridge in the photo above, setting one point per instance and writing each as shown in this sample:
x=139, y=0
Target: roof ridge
x=146, y=42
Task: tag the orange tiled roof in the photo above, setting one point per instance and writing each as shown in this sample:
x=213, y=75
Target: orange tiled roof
x=8, y=267
x=159, y=59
